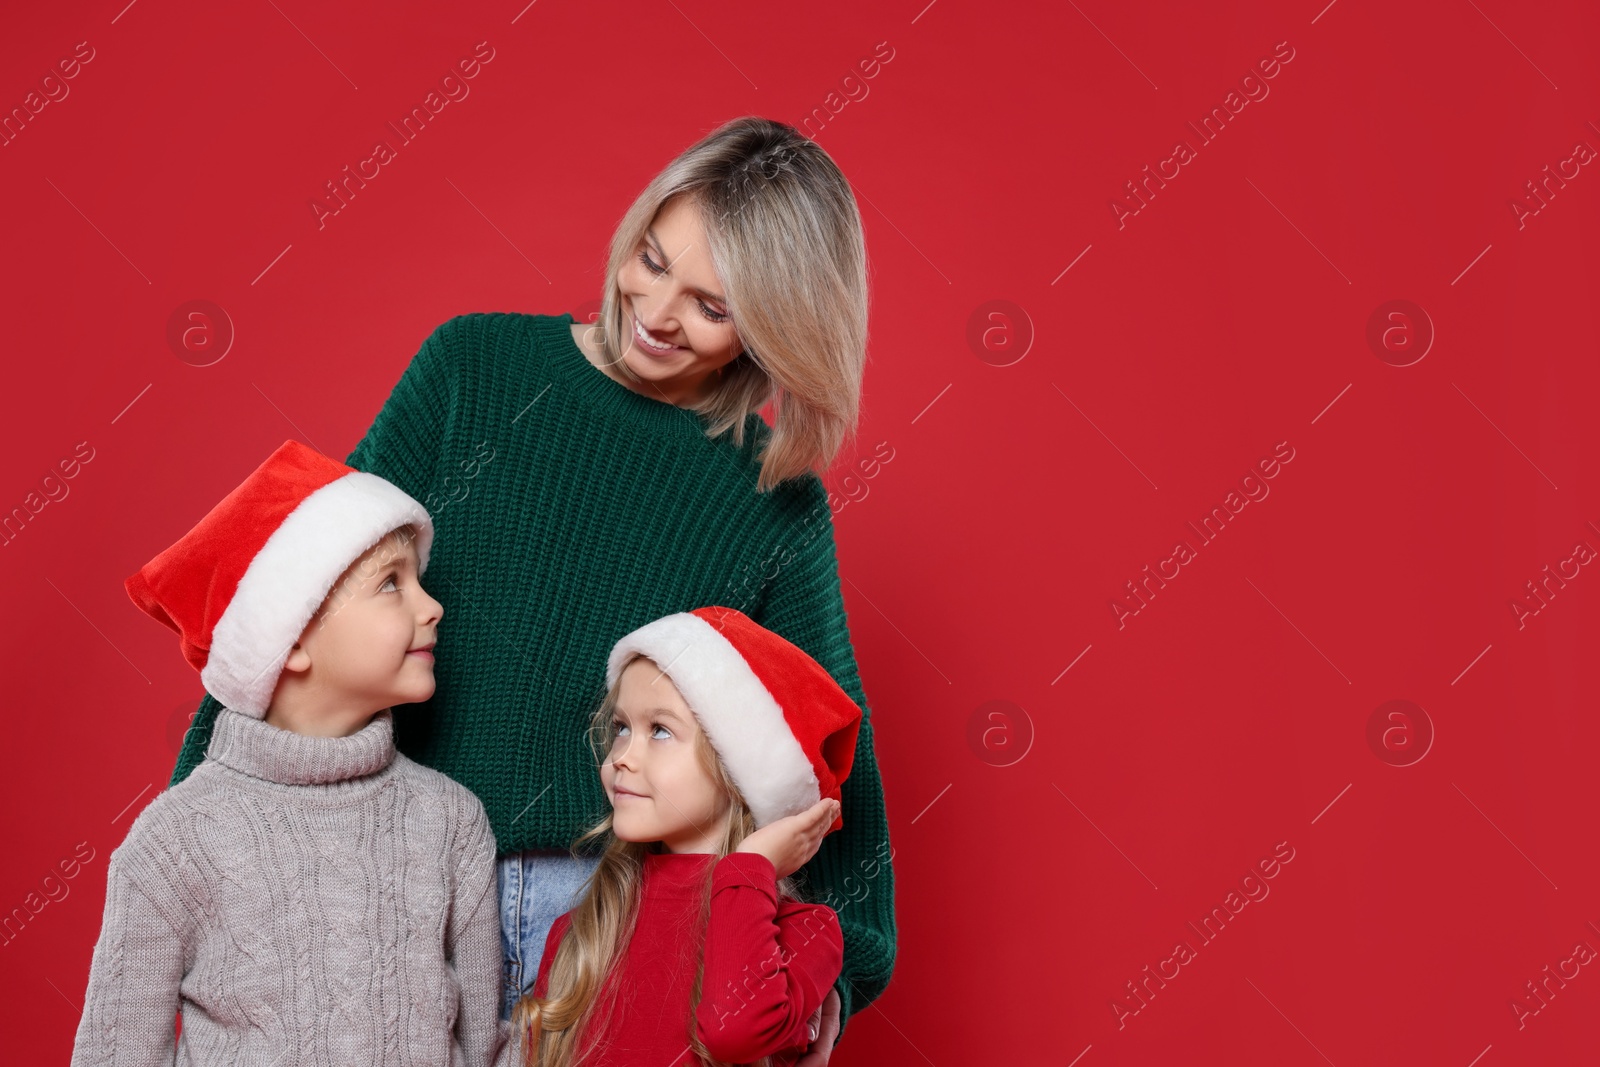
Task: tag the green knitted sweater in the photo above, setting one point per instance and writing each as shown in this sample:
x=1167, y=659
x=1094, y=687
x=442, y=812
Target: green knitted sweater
x=568, y=510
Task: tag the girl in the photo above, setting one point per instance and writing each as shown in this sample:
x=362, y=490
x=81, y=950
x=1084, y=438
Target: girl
x=723, y=747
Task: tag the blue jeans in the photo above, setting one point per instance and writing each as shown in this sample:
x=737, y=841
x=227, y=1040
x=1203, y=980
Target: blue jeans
x=536, y=888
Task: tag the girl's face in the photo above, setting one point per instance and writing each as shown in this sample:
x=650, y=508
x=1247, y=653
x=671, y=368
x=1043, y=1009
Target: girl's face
x=652, y=775
x=671, y=294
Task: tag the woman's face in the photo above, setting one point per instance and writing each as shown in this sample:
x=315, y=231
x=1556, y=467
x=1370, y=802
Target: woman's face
x=672, y=295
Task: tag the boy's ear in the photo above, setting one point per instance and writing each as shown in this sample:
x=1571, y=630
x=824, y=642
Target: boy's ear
x=299, y=659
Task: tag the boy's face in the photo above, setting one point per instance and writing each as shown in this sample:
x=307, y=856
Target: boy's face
x=652, y=774
x=369, y=647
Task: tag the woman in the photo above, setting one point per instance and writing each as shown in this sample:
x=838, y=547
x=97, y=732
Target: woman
x=586, y=479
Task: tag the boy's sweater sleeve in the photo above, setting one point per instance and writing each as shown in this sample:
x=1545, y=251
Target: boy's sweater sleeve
x=851, y=871
x=768, y=966
x=131, y=1005
x=474, y=946
x=404, y=444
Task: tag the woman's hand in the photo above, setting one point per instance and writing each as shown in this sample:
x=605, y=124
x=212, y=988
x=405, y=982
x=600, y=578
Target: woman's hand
x=790, y=842
x=822, y=1042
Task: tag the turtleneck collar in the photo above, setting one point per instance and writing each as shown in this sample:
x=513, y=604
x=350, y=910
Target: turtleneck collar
x=254, y=747
x=673, y=874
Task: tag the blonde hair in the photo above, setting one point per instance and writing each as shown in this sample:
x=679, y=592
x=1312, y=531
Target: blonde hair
x=578, y=998
x=784, y=235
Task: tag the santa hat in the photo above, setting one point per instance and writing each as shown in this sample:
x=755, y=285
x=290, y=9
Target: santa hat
x=242, y=585
x=783, y=728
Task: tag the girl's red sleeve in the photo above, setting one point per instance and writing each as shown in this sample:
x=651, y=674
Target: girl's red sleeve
x=552, y=941
x=768, y=965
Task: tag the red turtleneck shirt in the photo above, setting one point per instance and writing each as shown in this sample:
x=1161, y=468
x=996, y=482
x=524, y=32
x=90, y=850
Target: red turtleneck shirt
x=768, y=965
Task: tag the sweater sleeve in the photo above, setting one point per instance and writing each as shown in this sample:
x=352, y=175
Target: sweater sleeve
x=474, y=946
x=767, y=967
x=851, y=871
x=405, y=442
x=404, y=445
x=131, y=1006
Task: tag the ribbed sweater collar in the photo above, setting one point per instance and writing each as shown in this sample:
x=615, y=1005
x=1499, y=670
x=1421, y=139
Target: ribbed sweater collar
x=609, y=395
x=254, y=747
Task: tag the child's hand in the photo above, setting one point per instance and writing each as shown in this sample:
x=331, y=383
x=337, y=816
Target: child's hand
x=790, y=842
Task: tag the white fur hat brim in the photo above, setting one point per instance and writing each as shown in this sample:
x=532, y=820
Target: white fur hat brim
x=740, y=717
x=293, y=573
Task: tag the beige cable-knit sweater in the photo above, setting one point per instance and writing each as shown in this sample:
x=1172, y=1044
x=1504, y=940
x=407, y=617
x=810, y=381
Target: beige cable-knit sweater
x=303, y=900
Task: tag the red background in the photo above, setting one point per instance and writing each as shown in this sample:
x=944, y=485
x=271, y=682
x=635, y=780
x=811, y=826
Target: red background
x=1229, y=314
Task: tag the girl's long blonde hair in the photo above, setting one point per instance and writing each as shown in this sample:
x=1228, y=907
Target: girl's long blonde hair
x=784, y=235
x=578, y=999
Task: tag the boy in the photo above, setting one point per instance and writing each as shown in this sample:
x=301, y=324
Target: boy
x=309, y=894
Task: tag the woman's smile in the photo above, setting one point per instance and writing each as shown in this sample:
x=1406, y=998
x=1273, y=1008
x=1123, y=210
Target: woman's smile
x=648, y=344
